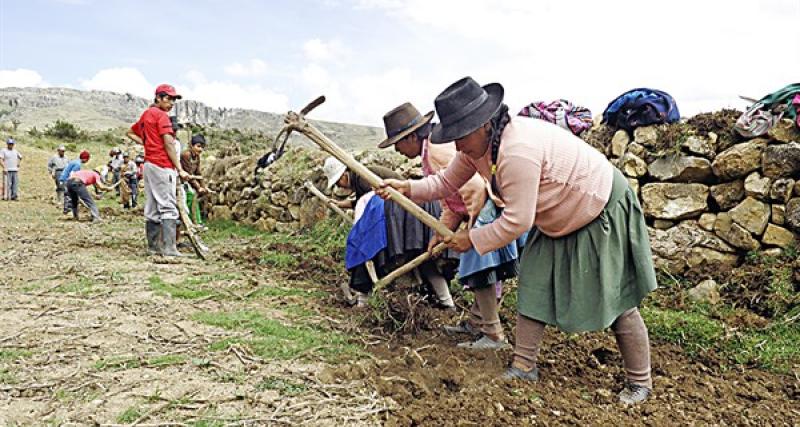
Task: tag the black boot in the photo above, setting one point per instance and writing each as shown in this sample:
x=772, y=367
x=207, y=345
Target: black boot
x=168, y=235
x=153, y=230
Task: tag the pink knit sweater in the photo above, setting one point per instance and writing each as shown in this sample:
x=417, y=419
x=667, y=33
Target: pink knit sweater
x=546, y=177
x=464, y=205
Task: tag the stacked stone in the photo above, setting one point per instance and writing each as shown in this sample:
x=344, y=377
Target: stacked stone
x=275, y=198
x=709, y=205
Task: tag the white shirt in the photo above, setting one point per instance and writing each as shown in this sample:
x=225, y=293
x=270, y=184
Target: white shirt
x=11, y=159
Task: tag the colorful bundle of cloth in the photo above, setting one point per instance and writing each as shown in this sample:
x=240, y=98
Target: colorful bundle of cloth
x=574, y=118
x=767, y=111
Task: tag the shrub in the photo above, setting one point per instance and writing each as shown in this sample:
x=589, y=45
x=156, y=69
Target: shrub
x=64, y=130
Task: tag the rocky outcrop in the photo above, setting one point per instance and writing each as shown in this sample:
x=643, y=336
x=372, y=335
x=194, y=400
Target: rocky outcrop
x=100, y=110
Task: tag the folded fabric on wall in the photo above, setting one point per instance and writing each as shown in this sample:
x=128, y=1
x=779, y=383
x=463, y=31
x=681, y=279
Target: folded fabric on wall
x=767, y=111
x=574, y=118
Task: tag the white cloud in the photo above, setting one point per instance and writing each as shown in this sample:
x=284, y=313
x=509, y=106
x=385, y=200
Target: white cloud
x=121, y=80
x=21, y=77
x=703, y=53
x=255, y=67
x=232, y=95
x=317, y=50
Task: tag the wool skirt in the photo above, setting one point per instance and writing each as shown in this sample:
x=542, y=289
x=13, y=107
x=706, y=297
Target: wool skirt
x=583, y=281
x=407, y=237
x=477, y=271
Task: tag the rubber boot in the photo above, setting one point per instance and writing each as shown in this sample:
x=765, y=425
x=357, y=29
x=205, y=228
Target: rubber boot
x=153, y=231
x=168, y=230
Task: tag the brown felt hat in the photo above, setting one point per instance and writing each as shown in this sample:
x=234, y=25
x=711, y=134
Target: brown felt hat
x=402, y=121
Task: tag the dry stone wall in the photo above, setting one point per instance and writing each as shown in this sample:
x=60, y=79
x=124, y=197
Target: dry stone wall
x=275, y=199
x=709, y=197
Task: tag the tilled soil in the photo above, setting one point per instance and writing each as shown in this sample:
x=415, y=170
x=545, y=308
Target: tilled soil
x=434, y=383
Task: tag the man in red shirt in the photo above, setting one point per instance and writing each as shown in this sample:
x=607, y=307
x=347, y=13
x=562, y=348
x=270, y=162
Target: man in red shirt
x=76, y=188
x=161, y=170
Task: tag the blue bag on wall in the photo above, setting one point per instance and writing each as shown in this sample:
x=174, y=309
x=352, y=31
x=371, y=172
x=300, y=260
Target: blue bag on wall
x=641, y=107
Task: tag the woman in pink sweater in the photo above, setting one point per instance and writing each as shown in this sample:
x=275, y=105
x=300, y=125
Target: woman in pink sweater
x=587, y=263
x=409, y=132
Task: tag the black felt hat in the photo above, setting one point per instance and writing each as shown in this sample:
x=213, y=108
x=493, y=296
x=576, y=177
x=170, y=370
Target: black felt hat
x=464, y=107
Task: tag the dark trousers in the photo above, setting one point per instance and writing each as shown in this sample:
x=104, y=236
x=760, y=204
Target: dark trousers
x=77, y=191
x=133, y=183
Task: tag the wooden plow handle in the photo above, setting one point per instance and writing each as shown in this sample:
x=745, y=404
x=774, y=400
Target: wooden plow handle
x=297, y=122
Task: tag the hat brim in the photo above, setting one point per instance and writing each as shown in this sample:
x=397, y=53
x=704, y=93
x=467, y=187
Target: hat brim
x=334, y=179
x=393, y=140
x=443, y=134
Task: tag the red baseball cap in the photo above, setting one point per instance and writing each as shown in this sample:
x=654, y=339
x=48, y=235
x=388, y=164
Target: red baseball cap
x=168, y=89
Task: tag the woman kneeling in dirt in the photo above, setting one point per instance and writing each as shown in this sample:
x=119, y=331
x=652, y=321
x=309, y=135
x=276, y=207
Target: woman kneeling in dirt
x=409, y=132
x=405, y=236
x=587, y=265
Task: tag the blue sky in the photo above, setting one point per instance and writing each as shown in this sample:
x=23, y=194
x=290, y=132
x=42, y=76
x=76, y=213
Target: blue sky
x=368, y=56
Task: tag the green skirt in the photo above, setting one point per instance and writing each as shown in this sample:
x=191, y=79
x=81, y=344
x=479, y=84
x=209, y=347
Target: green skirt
x=583, y=281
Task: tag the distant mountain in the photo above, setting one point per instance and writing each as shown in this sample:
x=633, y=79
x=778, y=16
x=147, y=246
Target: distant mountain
x=100, y=110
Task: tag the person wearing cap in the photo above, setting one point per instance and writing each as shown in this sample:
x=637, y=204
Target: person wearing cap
x=194, y=188
x=162, y=168
x=409, y=132
x=587, y=264
x=76, y=187
x=406, y=236
x=130, y=184
x=55, y=166
x=11, y=160
x=72, y=166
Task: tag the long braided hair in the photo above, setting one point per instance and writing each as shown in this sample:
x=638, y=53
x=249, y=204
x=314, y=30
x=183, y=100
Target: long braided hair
x=498, y=123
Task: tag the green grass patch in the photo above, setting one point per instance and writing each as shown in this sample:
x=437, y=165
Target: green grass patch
x=774, y=347
x=131, y=362
x=130, y=415
x=8, y=377
x=283, y=386
x=166, y=360
x=279, y=259
x=209, y=278
x=178, y=291
x=325, y=239
x=117, y=363
x=226, y=229
x=698, y=330
x=281, y=292
x=275, y=340
x=693, y=331
x=84, y=286
x=11, y=354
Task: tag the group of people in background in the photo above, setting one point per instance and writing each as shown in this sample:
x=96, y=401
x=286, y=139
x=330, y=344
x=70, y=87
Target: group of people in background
x=161, y=168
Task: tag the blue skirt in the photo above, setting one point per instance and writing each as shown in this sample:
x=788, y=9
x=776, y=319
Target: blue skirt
x=480, y=271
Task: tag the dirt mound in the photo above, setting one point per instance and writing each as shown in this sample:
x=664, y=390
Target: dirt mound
x=764, y=285
x=404, y=308
x=720, y=122
x=433, y=383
